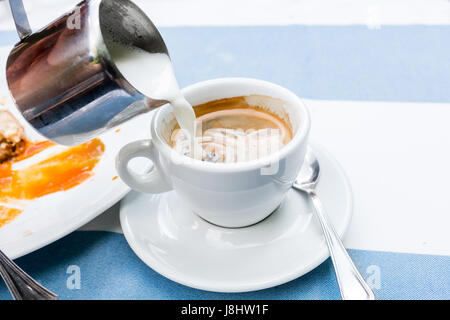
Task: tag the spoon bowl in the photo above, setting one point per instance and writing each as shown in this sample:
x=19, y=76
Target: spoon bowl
x=309, y=174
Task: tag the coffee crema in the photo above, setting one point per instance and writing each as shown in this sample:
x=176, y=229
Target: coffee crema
x=230, y=130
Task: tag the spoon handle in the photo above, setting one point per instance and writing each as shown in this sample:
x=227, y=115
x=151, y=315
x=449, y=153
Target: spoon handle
x=20, y=284
x=351, y=284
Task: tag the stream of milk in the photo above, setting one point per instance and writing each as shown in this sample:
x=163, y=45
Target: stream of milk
x=152, y=74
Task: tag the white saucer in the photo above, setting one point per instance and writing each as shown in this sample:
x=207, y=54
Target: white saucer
x=184, y=248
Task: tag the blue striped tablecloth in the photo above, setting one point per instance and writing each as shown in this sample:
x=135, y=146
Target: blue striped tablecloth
x=408, y=63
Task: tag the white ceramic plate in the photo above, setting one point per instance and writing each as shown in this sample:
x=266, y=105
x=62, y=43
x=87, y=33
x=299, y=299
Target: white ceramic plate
x=51, y=217
x=184, y=248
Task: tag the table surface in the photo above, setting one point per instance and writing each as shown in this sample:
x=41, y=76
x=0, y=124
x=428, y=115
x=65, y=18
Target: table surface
x=376, y=77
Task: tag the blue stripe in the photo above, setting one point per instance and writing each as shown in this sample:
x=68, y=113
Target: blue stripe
x=394, y=63
x=110, y=270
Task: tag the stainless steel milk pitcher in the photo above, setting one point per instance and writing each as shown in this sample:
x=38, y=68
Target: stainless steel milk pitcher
x=62, y=77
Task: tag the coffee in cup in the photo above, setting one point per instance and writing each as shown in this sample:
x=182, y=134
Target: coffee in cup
x=233, y=130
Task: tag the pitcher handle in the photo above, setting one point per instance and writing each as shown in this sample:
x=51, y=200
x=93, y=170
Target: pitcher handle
x=20, y=18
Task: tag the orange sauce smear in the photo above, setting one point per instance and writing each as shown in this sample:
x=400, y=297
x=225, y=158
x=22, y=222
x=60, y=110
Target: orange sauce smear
x=60, y=172
x=57, y=173
x=32, y=148
x=8, y=214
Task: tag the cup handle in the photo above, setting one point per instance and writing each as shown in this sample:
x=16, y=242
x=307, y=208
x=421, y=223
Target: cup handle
x=151, y=182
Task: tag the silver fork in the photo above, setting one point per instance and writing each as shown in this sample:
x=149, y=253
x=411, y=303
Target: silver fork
x=20, y=284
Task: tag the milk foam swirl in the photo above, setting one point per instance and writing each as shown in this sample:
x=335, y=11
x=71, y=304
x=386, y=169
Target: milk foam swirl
x=229, y=145
x=235, y=135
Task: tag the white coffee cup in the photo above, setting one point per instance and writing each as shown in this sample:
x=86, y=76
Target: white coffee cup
x=226, y=194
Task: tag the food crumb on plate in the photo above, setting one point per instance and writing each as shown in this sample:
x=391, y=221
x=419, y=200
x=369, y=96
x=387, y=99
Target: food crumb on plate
x=12, y=136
